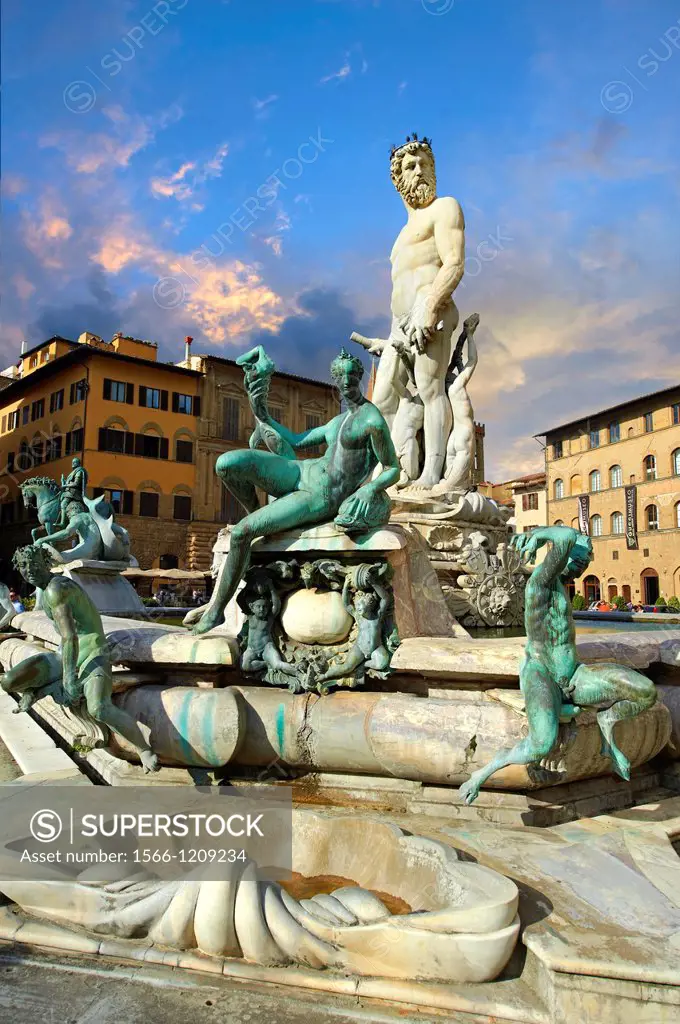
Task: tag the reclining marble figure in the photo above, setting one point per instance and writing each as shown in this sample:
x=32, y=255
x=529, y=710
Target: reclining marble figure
x=555, y=685
x=337, y=485
x=81, y=671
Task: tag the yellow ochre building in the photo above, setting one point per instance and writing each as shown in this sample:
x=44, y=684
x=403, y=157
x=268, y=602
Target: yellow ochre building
x=148, y=434
x=616, y=475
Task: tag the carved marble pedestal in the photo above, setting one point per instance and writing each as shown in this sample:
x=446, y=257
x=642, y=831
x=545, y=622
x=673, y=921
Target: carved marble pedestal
x=111, y=593
x=308, y=583
x=466, y=538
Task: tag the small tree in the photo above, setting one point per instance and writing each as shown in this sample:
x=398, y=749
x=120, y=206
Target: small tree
x=578, y=602
x=660, y=605
x=619, y=603
x=674, y=604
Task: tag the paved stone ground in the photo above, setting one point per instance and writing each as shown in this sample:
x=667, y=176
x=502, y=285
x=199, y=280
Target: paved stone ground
x=8, y=768
x=31, y=993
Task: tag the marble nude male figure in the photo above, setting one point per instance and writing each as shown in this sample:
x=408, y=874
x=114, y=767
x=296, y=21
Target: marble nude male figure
x=337, y=485
x=82, y=670
x=427, y=260
x=553, y=682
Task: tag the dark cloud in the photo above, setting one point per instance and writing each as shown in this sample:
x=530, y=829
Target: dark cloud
x=308, y=341
x=100, y=313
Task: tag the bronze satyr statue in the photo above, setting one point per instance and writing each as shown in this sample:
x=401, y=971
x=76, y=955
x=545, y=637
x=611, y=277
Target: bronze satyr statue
x=82, y=670
x=555, y=685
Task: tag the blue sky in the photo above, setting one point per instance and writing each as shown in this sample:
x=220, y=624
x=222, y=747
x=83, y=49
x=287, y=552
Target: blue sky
x=139, y=138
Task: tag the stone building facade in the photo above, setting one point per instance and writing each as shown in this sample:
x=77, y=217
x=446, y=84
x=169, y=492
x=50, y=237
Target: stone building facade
x=530, y=502
x=148, y=433
x=616, y=474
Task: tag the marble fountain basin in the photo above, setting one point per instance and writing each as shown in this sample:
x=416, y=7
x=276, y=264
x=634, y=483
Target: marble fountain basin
x=364, y=899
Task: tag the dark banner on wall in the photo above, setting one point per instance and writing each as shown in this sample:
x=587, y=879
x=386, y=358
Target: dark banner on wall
x=583, y=513
x=631, y=516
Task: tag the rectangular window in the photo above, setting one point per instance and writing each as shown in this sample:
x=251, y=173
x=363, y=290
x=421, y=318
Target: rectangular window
x=182, y=403
x=184, y=451
x=25, y=414
x=77, y=391
x=676, y=414
x=231, y=410
x=74, y=441
x=44, y=355
x=649, y=422
x=150, y=446
x=153, y=398
x=615, y=555
x=594, y=438
x=57, y=400
x=148, y=504
x=557, y=450
x=10, y=462
x=121, y=501
x=33, y=363
x=311, y=422
x=182, y=507
x=3, y=428
x=277, y=413
x=13, y=420
x=38, y=409
x=53, y=447
x=37, y=452
x=231, y=509
x=112, y=440
x=614, y=432
x=118, y=391
x=529, y=502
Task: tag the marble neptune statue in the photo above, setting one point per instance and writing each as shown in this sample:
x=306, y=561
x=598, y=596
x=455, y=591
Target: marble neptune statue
x=554, y=684
x=339, y=485
x=427, y=260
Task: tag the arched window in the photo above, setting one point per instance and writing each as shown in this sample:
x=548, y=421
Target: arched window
x=617, y=522
x=574, y=523
x=559, y=522
x=652, y=515
x=559, y=489
x=615, y=476
x=168, y=562
x=575, y=484
x=675, y=462
x=677, y=514
x=649, y=579
x=596, y=526
x=591, y=589
x=650, y=467
x=594, y=481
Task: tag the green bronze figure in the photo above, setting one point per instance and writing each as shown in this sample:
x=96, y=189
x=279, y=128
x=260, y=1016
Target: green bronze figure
x=72, y=490
x=370, y=609
x=261, y=605
x=338, y=485
x=82, y=669
x=555, y=685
